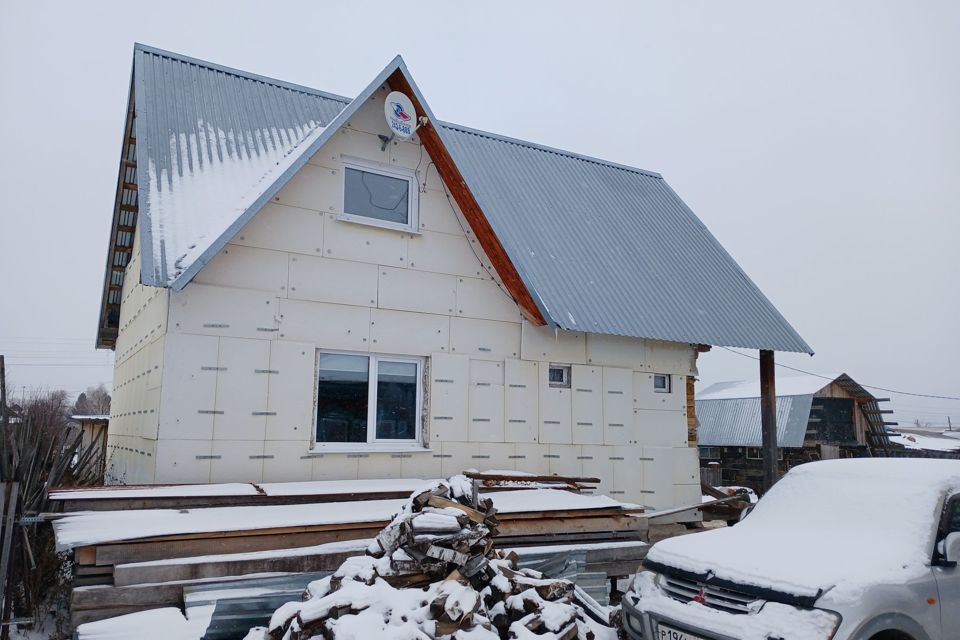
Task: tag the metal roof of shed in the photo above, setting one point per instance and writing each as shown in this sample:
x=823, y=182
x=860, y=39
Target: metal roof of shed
x=728, y=413
x=601, y=247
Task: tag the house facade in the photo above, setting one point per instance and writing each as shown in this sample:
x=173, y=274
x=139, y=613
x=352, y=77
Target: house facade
x=296, y=292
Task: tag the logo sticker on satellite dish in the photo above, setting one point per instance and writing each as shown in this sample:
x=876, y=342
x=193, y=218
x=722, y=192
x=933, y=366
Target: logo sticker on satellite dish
x=400, y=114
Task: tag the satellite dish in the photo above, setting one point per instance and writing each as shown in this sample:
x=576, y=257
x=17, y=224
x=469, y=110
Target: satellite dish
x=400, y=114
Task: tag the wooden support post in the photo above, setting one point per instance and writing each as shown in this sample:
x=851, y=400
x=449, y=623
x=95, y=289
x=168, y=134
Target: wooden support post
x=768, y=419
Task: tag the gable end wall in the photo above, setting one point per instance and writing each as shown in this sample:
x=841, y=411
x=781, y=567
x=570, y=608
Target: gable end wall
x=237, y=397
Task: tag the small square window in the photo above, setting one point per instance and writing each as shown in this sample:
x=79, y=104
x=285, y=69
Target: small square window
x=661, y=382
x=377, y=195
x=559, y=376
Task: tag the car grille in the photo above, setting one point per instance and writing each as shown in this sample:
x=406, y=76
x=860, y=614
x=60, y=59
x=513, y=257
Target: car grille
x=709, y=595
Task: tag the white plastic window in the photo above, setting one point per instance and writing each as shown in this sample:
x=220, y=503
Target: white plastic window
x=661, y=382
x=379, y=195
x=368, y=399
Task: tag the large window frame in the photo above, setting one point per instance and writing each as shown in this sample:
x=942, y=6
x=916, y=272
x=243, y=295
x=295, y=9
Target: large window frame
x=389, y=171
x=372, y=443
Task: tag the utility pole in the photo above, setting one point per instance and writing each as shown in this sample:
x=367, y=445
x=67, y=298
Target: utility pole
x=949, y=424
x=768, y=419
x=3, y=394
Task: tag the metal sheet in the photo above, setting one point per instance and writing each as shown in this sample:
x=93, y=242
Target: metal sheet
x=735, y=422
x=611, y=249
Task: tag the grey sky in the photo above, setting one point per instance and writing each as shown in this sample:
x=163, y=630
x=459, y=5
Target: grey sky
x=819, y=142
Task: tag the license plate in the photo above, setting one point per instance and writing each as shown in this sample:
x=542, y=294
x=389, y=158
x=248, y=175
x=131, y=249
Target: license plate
x=669, y=633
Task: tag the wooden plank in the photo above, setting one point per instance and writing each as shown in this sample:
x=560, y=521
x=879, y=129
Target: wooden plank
x=562, y=526
x=196, y=502
x=85, y=555
x=124, y=553
x=246, y=533
x=130, y=575
x=601, y=512
x=442, y=503
x=569, y=538
x=498, y=477
x=129, y=596
x=475, y=217
x=78, y=618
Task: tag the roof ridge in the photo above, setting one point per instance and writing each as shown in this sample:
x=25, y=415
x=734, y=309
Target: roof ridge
x=450, y=125
x=240, y=73
x=548, y=149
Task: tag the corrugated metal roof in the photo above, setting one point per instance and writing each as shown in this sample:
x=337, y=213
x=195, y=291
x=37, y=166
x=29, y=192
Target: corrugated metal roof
x=611, y=249
x=735, y=422
x=601, y=247
x=210, y=140
x=792, y=385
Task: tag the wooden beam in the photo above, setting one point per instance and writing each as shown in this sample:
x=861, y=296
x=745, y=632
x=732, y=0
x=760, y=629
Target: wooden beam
x=768, y=418
x=475, y=217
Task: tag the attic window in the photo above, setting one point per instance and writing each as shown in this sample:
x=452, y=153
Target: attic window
x=384, y=196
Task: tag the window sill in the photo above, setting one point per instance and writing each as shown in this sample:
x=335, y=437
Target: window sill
x=362, y=448
x=372, y=222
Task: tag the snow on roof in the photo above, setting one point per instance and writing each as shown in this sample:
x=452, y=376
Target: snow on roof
x=90, y=418
x=835, y=525
x=98, y=527
x=205, y=168
x=800, y=385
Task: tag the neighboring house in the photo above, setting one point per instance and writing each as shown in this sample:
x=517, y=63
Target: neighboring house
x=293, y=294
x=818, y=418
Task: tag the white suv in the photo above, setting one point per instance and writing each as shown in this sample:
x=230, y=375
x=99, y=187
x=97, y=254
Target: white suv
x=861, y=549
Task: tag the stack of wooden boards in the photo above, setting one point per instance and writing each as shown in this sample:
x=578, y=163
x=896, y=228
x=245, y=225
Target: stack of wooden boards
x=434, y=571
x=136, y=548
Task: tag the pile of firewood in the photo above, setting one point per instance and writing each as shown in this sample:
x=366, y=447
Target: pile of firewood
x=434, y=573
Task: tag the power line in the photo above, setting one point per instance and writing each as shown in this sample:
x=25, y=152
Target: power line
x=868, y=386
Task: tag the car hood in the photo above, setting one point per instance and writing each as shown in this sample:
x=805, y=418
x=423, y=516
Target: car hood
x=839, y=525
x=735, y=557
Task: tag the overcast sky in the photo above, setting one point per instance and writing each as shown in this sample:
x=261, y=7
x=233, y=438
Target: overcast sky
x=819, y=142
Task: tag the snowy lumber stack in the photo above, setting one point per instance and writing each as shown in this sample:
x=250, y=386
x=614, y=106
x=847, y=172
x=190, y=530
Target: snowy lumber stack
x=142, y=558
x=433, y=572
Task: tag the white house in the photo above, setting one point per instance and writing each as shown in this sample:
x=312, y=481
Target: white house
x=295, y=292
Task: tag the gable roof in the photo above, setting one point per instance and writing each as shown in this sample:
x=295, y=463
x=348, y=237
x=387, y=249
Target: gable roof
x=587, y=245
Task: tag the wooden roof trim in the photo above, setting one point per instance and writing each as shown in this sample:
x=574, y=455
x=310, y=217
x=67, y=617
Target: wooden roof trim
x=475, y=217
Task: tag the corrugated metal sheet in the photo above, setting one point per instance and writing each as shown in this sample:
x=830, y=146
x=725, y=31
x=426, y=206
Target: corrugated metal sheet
x=208, y=137
x=611, y=249
x=603, y=248
x=735, y=422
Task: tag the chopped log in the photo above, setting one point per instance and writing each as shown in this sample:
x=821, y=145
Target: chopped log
x=440, y=503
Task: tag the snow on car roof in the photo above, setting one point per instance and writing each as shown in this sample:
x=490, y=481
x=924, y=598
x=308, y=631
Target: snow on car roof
x=836, y=525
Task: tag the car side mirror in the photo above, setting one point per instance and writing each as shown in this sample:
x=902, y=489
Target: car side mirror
x=950, y=548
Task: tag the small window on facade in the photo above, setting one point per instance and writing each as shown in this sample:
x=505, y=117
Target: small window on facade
x=661, y=382
x=710, y=453
x=559, y=376
x=367, y=399
x=382, y=196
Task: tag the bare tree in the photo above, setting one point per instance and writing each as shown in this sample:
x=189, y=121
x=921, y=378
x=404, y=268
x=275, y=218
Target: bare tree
x=95, y=401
